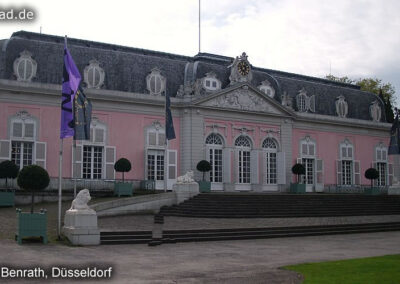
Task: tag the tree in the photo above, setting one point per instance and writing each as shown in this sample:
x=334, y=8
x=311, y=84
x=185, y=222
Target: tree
x=371, y=174
x=123, y=165
x=203, y=166
x=33, y=178
x=298, y=169
x=385, y=91
x=8, y=169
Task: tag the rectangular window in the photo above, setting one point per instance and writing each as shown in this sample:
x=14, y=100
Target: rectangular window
x=22, y=153
x=92, y=162
x=381, y=167
x=347, y=172
x=270, y=175
x=155, y=165
x=215, y=156
x=244, y=166
x=308, y=178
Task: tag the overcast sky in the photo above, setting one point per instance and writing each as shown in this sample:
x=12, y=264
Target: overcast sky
x=311, y=37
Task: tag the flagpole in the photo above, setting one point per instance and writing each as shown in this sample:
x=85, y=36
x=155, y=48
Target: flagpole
x=199, y=26
x=60, y=189
x=74, y=166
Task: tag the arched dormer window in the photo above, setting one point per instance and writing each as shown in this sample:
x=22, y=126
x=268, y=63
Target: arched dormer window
x=25, y=67
x=375, y=111
x=93, y=75
x=341, y=106
x=267, y=89
x=210, y=82
x=304, y=102
x=155, y=82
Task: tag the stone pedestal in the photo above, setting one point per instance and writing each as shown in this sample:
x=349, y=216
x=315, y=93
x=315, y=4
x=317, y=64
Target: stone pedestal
x=80, y=227
x=185, y=191
x=394, y=190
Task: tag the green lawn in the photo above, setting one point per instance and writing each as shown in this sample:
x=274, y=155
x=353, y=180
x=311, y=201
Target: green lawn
x=377, y=270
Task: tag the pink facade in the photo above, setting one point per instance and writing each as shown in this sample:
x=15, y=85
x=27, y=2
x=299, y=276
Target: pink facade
x=129, y=126
x=327, y=149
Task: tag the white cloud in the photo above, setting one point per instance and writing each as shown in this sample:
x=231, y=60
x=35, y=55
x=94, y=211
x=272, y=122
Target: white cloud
x=357, y=38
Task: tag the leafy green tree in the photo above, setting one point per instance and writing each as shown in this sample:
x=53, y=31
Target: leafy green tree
x=385, y=91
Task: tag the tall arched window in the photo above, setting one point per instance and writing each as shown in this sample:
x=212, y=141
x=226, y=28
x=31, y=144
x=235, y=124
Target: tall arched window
x=214, y=149
x=270, y=148
x=243, y=145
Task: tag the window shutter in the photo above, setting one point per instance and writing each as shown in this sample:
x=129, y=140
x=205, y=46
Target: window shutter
x=226, y=165
x=254, y=166
x=172, y=167
x=110, y=161
x=29, y=130
x=40, y=154
x=339, y=172
x=280, y=168
x=5, y=152
x=312, y=103
x=264, y=167
x=77, y=166
x=319, y=186
x=17, y=129
x=357, y=177
x=390, y=173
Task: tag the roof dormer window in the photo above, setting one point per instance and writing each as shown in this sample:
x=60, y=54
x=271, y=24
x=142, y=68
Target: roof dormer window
x=94, y=75
x=267, y=89
x=25, y=67
x=155, y=82
x=211, y=83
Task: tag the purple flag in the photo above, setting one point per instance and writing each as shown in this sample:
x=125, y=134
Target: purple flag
x=71, y=81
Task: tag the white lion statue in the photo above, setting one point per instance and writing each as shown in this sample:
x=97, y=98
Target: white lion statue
x=186, y=178
x=81, y=201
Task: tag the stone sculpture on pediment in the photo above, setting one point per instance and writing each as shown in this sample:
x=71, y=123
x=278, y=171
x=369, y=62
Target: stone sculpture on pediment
x=242, y=100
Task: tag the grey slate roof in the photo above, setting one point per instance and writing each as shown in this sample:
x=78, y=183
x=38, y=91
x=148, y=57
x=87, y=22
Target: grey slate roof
x=126, y=69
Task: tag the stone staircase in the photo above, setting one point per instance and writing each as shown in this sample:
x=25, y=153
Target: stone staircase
x=236, y=205
x=248, y=205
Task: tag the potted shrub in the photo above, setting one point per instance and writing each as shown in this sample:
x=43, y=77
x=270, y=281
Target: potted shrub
x=123, y=188
x=204, y=166
x=8, y=169
x=298, y=169
x=32, y=178
x=371, y=174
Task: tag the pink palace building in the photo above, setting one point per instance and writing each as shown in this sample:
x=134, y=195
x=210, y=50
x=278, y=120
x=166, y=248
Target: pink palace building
x=251, y=123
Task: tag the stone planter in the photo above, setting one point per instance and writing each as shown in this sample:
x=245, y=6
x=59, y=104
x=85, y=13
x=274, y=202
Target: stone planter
x=372, y=191
x=297, y=188
x=31, y=225
x=123, y=188
x=204, y=186
x=7, y=198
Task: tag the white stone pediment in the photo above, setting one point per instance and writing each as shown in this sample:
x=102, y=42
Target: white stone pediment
x=243, y=99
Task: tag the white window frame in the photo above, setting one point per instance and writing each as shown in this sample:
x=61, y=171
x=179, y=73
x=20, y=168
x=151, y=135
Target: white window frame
x=347, y=153
x=95, y=66
x=24, y=58
x=381, y=159
x=241, y=150
x=211, y=148
x=268, y=151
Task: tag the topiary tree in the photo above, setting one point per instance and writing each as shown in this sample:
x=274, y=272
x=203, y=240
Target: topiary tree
x=33, y=178
x=203, y=166
x=123, y=165
x=298, y=169
x=8, y=169
x=371, y=174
